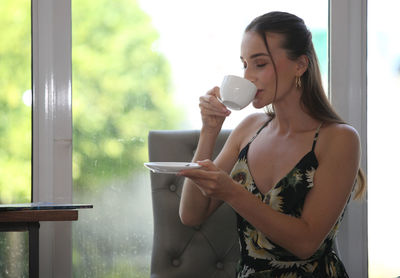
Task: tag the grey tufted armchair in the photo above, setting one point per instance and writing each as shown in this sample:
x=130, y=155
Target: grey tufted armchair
x=208, y=251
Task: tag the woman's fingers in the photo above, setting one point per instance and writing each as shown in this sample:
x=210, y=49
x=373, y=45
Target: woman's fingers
x=208, y=171
x=212, y=107
x=195, y=174
x=213, y=98
x=212, y=101
x=213, y=112
x=202, y=179
x=208, y=164
x=214, y=92
x=211, y=181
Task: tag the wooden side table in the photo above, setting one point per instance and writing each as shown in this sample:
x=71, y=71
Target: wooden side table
x=27, y=217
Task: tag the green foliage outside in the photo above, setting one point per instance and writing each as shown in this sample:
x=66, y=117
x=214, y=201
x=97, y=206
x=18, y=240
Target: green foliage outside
x=121, y=90
x=15, y=116
x=15, y=127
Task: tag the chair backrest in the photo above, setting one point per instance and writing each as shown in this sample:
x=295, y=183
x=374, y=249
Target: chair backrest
x=210, y=250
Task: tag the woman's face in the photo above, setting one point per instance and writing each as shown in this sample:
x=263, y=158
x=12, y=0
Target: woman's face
x=258, y=68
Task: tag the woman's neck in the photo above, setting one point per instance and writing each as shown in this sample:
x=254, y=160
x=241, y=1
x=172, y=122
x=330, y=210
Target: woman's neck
x=290, y=118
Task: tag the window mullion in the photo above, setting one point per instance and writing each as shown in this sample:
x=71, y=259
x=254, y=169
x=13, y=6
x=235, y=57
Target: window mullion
x=52, y=127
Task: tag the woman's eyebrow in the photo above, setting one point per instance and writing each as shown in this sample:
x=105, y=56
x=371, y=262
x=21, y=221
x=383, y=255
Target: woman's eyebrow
x=256, y=55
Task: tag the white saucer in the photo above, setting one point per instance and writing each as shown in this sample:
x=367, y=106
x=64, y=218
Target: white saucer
x=170, y=167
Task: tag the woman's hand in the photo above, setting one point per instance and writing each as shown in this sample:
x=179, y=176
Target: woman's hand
x=213, y=112
x=211, y=181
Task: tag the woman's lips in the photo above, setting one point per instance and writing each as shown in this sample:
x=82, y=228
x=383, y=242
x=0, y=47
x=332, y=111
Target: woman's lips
x=258, y=92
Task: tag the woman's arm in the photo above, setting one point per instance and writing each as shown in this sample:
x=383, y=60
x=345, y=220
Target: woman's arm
x=196, y=204
x=333, y=181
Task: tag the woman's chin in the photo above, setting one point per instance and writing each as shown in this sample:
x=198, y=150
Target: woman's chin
x=258, y=105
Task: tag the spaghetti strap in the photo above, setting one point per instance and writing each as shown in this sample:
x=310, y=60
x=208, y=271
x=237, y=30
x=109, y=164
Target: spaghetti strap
x=316, y=137
x=261, y=128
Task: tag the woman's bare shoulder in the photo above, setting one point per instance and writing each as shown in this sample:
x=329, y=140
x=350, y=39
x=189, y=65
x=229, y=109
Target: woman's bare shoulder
x=338, y=137
x=340, y=131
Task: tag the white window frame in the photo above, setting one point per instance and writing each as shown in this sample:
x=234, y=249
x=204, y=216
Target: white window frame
x=348, y=87
x=52, y=128
x=52, y=121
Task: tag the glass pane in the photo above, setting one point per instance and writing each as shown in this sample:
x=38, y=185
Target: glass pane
x=15, y=101
x=137, y=68
x=15, y=127
x=202, y=41
x=383, y=138
x=14, y=254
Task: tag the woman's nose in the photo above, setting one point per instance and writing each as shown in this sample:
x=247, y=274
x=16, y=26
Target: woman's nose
x=247, y=75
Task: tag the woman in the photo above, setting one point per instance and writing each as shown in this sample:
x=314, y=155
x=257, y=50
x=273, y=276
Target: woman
x=288, y=173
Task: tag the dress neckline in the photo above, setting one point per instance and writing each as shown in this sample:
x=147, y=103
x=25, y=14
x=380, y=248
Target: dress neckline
x=311, y=152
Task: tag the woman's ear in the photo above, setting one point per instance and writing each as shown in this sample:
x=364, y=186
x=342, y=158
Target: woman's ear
x=302, y=64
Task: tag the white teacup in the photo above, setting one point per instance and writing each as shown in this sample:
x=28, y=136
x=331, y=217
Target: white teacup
x=237, y=92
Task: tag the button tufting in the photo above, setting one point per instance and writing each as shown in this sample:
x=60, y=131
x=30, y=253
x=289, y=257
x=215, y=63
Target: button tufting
x=172, y=187
x=176, y=262
x=220, y=265
x=197, y=228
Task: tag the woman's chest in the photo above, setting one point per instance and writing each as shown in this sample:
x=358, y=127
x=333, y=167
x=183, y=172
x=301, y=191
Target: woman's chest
x=270, y=162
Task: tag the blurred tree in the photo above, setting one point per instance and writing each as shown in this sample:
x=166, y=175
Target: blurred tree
x=15, y=117
x=121, y=90
x=15, y=126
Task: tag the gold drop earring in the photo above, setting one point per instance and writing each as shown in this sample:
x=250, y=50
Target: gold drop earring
x=298, y=82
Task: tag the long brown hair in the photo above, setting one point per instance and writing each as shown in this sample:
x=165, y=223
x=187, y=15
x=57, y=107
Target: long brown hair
x=297, y=42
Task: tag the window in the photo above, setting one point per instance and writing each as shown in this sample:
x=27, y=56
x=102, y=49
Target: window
x=201, y=51
x=129, y=251
x=15, y=127
x=383, y=138
x=137, y=68
x=15, y=101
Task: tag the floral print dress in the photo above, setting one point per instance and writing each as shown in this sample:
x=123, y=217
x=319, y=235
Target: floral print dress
x=260, y=257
